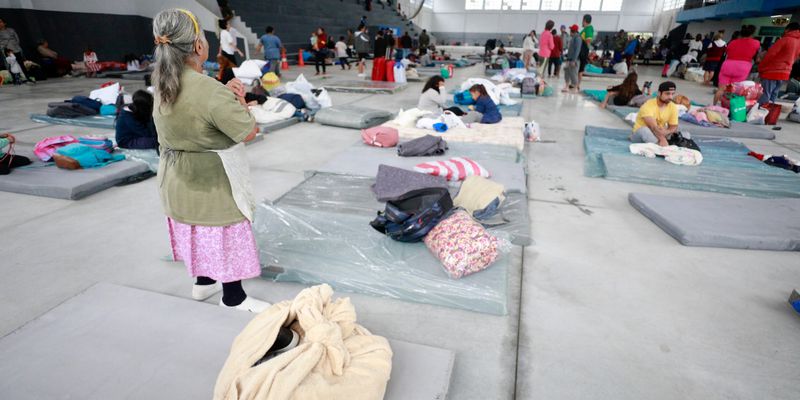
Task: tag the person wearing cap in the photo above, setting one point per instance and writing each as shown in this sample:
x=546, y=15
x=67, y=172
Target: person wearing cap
x=571, y=67
x=587, y=37
x=657, y=119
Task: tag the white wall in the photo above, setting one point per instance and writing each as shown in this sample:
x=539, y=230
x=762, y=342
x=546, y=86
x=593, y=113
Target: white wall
x=450, y=16
x=144, y=8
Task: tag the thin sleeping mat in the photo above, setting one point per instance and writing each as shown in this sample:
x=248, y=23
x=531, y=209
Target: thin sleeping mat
x=91, y=121
x=730, y=222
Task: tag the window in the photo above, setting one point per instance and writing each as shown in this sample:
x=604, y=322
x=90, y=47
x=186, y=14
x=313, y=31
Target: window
x=511, y=4
x=474, y=5
x=492, y=4
x=530, y=4
x=570, y=5
x=550, y=4
x=428, y=4
x=673, y=4
x=590, y=5
x=612, y=5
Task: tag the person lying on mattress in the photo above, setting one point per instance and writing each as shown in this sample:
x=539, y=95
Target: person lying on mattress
x=9, y=160
x=657, y=119
x=135, y=127
x=484, y=110
x=622, y=94
x=434, y=97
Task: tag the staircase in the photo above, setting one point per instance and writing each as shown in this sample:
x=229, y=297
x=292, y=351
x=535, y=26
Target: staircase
x=294, y=20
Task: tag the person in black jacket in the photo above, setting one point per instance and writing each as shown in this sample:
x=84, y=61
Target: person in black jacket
x=380, y=44
x=135, y=127
x=406, y=44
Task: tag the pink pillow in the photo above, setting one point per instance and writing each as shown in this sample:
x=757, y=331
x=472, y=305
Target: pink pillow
x=380, y=136
x=462, y=245
x=454, y=169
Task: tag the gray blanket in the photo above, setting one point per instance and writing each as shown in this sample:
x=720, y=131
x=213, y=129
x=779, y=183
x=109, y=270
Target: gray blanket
x=427, y=145
x=392, y=183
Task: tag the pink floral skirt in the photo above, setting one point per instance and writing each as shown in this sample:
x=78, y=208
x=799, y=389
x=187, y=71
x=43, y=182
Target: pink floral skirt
x=223, y=253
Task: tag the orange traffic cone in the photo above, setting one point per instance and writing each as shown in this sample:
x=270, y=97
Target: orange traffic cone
x=284, y=63
x=300, y=62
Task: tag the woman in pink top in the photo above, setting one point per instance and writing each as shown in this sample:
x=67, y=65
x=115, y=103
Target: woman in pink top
x=739, y=60
x=546, y=46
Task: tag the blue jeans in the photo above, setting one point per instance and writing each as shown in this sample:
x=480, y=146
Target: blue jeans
x=771, y=88
x=274, y=65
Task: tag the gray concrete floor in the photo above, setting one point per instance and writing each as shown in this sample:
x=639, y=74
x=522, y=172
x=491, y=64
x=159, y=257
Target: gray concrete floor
x=604, y=305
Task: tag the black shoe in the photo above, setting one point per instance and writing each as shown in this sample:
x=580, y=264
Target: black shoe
x=287, y=339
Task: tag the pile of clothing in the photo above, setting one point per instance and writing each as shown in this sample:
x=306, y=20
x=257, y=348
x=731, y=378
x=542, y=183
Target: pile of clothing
x=102, y=101
x=73, y=153
x=419, y=208
x=783, y=161
x=299, y=99
x=705, y=116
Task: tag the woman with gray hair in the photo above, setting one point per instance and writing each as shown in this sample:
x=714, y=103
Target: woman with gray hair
x=203, y=174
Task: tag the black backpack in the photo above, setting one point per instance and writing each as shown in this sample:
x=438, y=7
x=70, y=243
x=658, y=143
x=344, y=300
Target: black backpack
x=677, y=139
x=411, y=218
x=66, y=109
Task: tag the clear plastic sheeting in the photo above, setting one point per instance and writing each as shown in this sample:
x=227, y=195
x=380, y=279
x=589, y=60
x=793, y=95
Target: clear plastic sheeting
x=149, y=157
x=313, y=246
x=726, y=167
x=363, y=160
x=353, y=195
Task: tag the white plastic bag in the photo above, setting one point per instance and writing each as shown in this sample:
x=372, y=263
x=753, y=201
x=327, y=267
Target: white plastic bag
x=250, y=69
x=532, y=131
x=757, y=115
x=399, y=73
x=301, y=87
x=324, y=99
x=106, y=95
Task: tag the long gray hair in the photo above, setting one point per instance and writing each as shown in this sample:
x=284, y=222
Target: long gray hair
x=175, y=32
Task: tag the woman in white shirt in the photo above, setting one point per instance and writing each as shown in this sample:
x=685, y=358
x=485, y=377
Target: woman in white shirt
x=434, y=97
x=529, y=45
x=227, y=42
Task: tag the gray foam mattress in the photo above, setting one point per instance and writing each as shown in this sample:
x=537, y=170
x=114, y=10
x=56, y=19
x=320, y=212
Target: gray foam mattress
x=113, y=342
x=350, y=116
x=737, y=129
x=364, y=161
x=275, y=125
x=365, y=87
x=51, y=181
x=93, y=121
x=730, y=222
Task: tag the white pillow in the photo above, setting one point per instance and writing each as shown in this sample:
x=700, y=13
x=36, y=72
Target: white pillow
x=106, y=95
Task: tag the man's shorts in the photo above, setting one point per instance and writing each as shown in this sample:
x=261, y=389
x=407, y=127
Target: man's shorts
x=362, y=57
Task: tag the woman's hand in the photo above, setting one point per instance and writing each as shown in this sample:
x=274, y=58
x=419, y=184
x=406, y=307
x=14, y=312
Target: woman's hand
x=236, y=86
x=10, y=137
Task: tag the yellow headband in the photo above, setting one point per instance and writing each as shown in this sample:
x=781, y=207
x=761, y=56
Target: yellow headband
x=194, y=21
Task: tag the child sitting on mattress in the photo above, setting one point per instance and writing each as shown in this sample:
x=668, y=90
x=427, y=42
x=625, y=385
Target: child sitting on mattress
x=9, y=160
x=484, y=110
x=135, y=127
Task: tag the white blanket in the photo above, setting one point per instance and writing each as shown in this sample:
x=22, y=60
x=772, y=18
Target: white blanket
x=508, y=132
x=274, y=109
x=674, y=154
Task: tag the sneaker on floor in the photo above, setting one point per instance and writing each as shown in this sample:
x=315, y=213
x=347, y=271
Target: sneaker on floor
x=249, y=304
x=202, y=292
x=287, y=339
x=362, y=75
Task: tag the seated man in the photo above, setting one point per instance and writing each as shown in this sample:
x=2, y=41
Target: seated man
x=657, y=119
